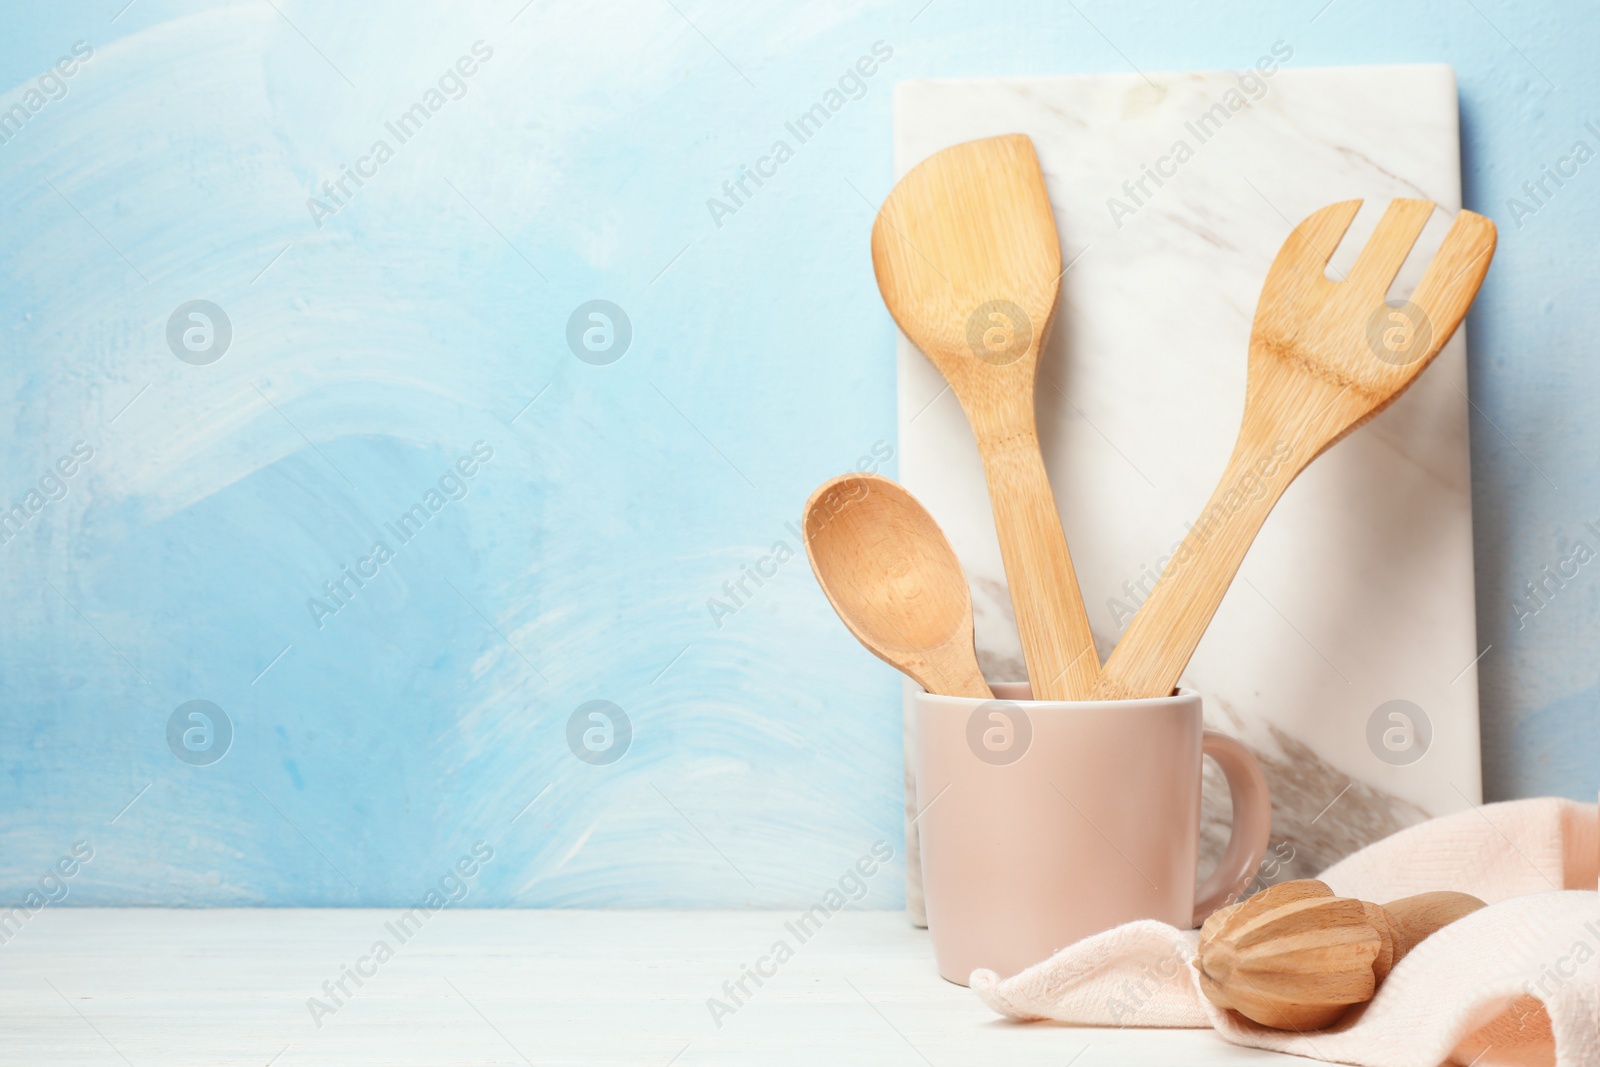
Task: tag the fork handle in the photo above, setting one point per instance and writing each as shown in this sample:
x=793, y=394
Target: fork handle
x=1051, y=619
x=1151, y=656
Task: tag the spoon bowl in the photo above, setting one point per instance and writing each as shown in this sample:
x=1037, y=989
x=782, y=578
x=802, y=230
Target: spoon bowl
x=894, y=580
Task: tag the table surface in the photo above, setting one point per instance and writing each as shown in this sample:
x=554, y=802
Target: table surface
x=147, y=986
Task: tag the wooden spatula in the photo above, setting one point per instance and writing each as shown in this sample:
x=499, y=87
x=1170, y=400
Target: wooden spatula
x=968, y=262
x=1325, y=356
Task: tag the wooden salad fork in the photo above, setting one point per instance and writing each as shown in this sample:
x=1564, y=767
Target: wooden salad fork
x=1325, y=356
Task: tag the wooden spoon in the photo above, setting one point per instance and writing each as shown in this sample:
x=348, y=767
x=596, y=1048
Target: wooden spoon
x=895, y=581
x=968, y=262
x=1325, y=357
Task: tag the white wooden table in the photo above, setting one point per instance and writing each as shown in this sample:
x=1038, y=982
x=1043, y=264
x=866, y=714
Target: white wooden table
x=170, y=988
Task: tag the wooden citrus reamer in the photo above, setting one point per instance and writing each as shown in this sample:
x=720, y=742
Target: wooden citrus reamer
x=969, y=264
x=1325, y=356
x=1296, y=957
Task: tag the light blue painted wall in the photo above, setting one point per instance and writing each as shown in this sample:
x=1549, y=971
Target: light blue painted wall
x=371, y=352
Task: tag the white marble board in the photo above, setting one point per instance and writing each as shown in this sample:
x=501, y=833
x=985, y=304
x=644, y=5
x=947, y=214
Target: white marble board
x=1359, y=591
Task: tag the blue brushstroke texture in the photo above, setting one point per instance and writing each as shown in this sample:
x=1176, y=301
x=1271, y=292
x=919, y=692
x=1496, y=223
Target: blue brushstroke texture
x=431, y=711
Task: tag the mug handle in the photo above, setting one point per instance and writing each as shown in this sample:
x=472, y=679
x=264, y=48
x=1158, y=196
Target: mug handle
x=1252, y=823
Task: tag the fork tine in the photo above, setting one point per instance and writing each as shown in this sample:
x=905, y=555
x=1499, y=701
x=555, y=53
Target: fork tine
x=1390, y=243
x=1452, y=279
x=1312, y=243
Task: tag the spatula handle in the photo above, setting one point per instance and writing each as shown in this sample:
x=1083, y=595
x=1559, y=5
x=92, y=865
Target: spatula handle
x=1152, y=653
x=1056, y=642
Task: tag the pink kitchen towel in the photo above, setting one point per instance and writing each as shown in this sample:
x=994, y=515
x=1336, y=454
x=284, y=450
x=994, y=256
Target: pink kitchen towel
x=1470, y=994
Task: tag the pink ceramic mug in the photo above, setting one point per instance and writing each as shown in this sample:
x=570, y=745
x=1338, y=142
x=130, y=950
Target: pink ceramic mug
x=1043, y=822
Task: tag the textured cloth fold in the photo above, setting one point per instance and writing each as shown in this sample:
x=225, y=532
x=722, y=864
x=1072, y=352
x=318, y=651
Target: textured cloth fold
x=1470, y=994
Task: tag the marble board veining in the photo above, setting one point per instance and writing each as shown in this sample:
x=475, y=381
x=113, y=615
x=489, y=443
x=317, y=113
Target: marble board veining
x=1172, y=193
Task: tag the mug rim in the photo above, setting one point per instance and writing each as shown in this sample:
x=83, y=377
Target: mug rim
x=1184, y=695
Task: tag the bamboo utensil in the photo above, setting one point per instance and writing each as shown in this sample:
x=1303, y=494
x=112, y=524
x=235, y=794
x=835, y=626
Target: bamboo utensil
x=969, y=264
x=1296, y=957
x=888, y=571
x=1325, y=357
